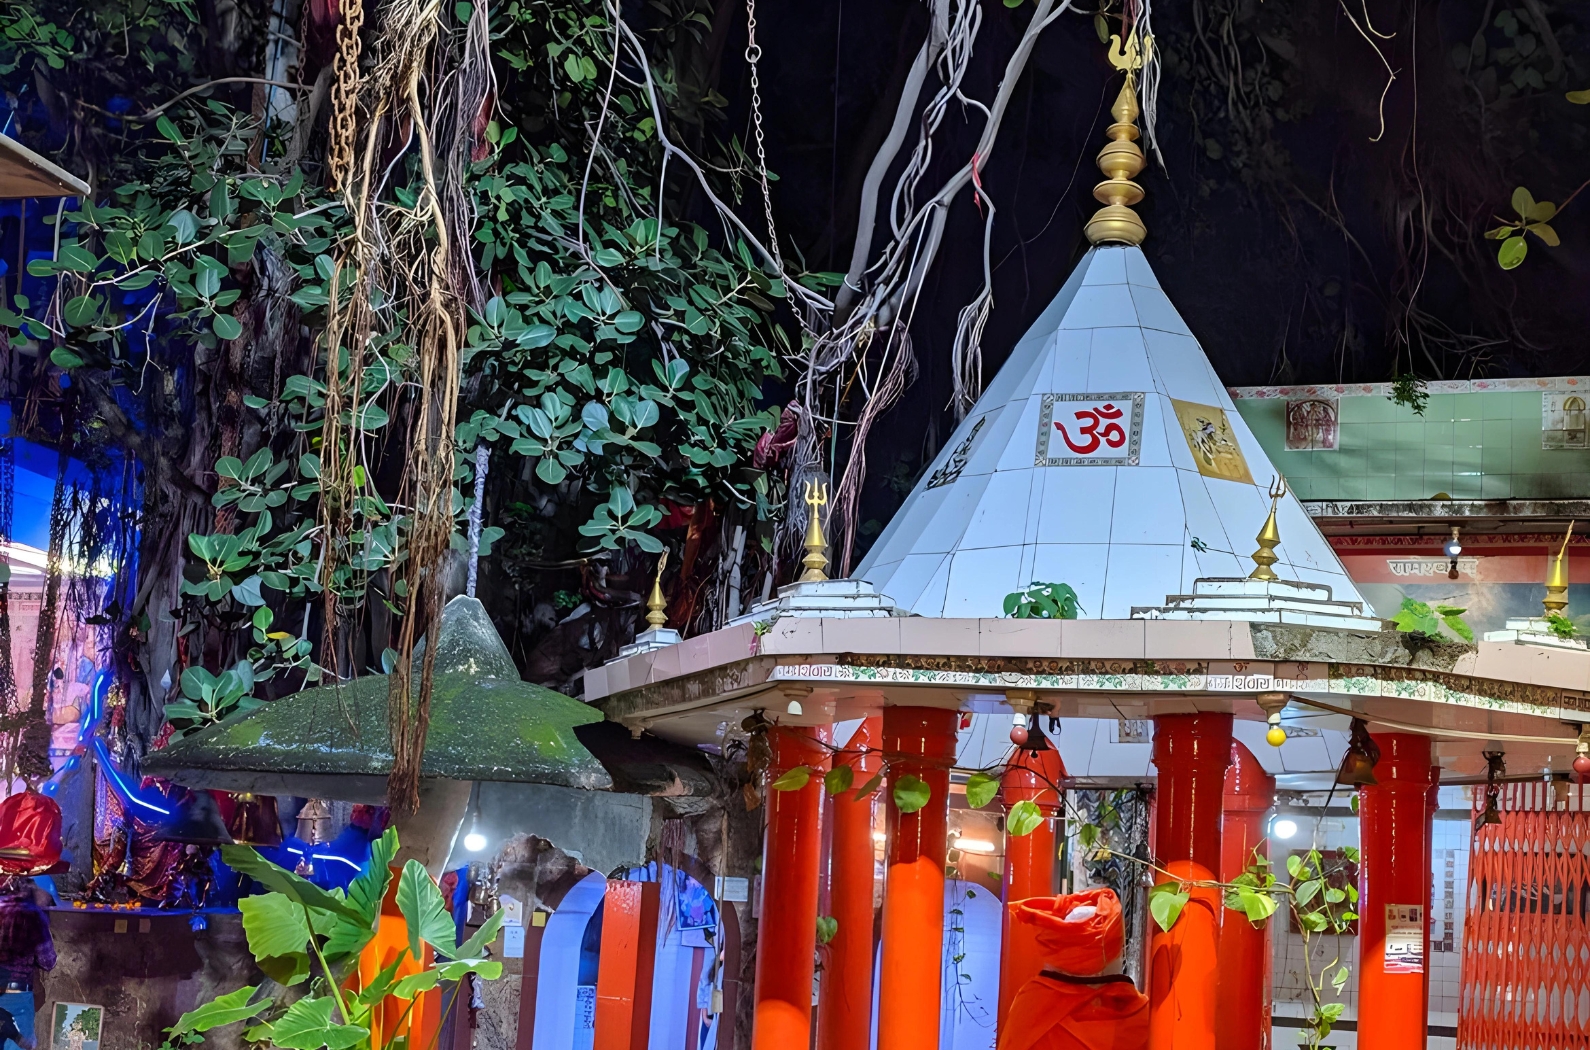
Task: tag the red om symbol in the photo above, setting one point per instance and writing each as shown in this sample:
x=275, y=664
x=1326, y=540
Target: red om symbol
x=1089, y=420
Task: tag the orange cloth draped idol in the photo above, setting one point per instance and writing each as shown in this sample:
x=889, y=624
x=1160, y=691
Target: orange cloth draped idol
x=1072, y=1005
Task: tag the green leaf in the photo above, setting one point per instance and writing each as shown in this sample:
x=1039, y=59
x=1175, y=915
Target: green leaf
x=1523, y=201
x=226, y=326
x=415, y=983
x=475, y=947
x=827, y=927
x=61, y=357
x=1579, y=98
x=793, y=780
x=1088, y=835
x=980, y=790
x=1165, y=903
x=307, y=1026
x=276, y=928
x=911, y=793
x=1024, y=818
x=425, y=909
x=1307, y=891
x=222, y=1010
x=869, y=787
x=1511, y=254
x=168, y=130
x=839, y=779
x=1545, y=233
x=245, y=860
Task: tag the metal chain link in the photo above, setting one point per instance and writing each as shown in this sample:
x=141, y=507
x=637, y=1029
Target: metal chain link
x=753, y=54
x=345, y=97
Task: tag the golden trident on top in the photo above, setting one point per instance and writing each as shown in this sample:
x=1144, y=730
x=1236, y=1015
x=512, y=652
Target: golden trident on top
x=816, y=560
x=1269, y=537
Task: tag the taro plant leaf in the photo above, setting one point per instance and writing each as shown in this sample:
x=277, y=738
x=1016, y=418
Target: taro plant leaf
x=793, y=779
x=278, y=936
x=475, y=947
x=222, y=1010
x=1165, y=903
x=839, y=779
x=911, y=793
x=827, y=926
x=245, y=860
x=980, y=790
x=1024, y=818
x=425, y=910
x=415, y=983
x=307, y=1025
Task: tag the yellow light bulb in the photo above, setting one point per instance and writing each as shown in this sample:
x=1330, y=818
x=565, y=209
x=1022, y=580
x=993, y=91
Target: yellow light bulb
x=1276, y=736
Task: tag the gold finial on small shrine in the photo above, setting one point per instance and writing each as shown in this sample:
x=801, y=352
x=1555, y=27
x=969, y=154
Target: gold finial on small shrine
x=1120, y=160
x=656, y=604
x=1556, y=600
x=816, y=560
x=1269, y=537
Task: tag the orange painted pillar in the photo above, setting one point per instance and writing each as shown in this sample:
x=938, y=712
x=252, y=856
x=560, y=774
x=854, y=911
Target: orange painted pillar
x=1243, y=1001
x=395, y=1018
x=628, y=960
x=1191, y=753
x=1029, y=864
x=844, y=1005
x=1393, y=888
x=787, y=936
x=919, y=742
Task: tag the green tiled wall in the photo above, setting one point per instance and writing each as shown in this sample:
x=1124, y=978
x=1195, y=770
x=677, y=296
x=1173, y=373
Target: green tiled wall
x=1470, y=446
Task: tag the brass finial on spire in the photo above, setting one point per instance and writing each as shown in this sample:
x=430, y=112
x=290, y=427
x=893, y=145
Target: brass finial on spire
x=1556, y=600
x=1120, y=160
x=1269, y=537
x=816, y=560
x=656, y=604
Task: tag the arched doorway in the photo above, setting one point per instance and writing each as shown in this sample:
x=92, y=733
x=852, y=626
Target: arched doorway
x=558, y=1019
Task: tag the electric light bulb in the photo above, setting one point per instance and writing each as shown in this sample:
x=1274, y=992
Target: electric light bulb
x=1275, y=737
x=474, y=842
x=1283, y=828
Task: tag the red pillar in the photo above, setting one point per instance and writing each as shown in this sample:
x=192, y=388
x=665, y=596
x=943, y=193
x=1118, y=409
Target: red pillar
x=919, y=741
x=1191, y=753
x=787, y=936
x=628, y=961
x=844, y=1006
x=1393, y=876
x=1029, y=865
x=1243, y=1002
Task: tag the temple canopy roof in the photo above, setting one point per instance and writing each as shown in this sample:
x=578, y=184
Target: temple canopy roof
x=1104, y=448
x=334, y=741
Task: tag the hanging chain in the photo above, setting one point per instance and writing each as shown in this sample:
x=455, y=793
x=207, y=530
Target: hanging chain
x=753, y=54
x=345, y=97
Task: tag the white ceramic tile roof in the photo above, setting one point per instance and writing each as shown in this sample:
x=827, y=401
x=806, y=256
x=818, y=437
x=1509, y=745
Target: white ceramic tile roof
x=1023, y=508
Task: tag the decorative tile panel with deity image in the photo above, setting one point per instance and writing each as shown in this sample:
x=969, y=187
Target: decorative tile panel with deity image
x=1212, y=441
x=1090, y=430
x=1312, y=423
x=1564, y=423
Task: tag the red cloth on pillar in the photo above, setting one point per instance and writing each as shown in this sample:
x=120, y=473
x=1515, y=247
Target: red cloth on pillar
x=30, y=833
x=1053, y=1012
x=1080, y=935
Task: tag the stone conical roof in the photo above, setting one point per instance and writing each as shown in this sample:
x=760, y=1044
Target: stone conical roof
x=1112, y=503
x=334, y=740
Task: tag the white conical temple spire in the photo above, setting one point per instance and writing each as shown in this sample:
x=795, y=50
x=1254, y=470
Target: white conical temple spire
x=1105, y=454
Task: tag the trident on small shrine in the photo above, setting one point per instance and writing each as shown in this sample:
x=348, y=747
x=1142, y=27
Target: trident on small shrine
x=816, y=560
x=1269, y=537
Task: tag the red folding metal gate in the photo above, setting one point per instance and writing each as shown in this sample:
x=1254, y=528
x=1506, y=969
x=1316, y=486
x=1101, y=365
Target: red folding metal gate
x=1526, y=942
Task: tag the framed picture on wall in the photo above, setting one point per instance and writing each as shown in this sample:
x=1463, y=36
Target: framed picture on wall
x=75, y=1026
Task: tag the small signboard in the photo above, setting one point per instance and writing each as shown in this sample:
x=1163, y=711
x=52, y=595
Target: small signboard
x=1404, y=938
